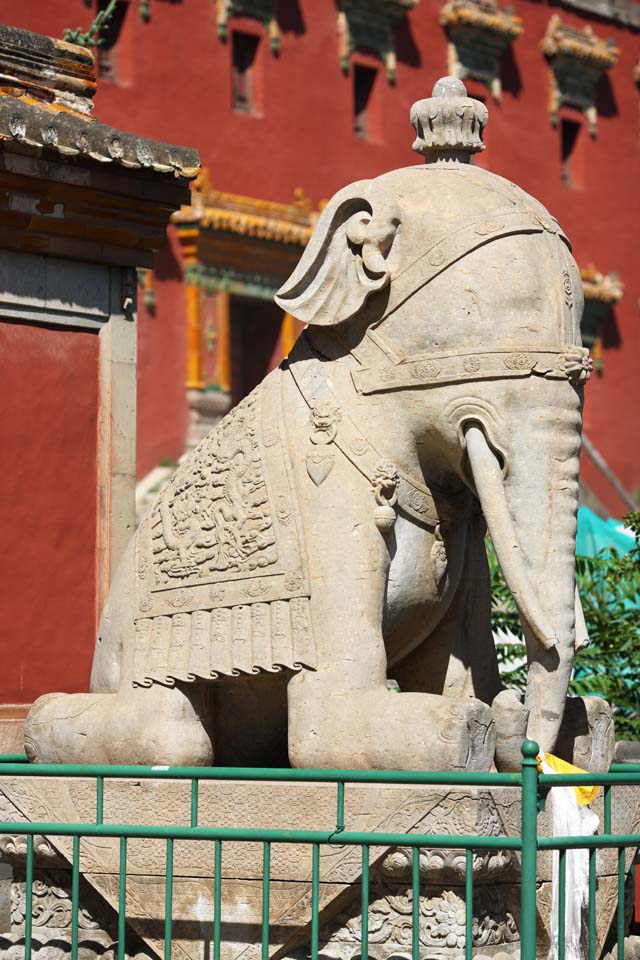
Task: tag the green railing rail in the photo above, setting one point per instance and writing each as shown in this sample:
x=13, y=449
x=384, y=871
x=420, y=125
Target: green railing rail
x=533, y=788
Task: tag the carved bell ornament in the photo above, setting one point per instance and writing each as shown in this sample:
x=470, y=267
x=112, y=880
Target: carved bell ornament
x=385, y=491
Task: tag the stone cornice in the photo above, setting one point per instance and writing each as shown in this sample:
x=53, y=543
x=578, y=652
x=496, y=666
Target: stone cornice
x=77, y=209
x=49, y=127
x=46, y=86
x=625, y=12
x=71, y=186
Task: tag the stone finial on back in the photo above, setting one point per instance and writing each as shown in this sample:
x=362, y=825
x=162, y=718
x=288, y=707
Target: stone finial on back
x=449, y=124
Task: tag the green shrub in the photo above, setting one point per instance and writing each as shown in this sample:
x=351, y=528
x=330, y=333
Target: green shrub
x=609, y=666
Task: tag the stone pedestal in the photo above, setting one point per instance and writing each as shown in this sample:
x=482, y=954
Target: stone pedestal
x=437, y=810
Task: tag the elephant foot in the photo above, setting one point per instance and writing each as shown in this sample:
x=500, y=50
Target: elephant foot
x=586, y=737
x=146, y=726
x=511, y=717
x=382, y=730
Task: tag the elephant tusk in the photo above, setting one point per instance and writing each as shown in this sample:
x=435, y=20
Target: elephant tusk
x=582, y=634
x=487, y=477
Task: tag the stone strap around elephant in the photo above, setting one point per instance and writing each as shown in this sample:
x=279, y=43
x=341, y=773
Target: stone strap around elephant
x=435, y=369
x=452, y=247
x=414, y=499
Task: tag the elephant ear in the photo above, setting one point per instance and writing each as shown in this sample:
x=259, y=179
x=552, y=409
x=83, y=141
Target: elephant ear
x=345, y=261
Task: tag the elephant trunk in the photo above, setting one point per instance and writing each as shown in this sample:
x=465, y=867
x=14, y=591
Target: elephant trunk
x=531, y=515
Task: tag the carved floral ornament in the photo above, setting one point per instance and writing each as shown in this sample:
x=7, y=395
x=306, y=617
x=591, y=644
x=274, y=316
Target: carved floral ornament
x=370, y=25
x=578, y=59
x=479, y=33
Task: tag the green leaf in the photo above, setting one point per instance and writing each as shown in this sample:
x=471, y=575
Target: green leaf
x=608, y=667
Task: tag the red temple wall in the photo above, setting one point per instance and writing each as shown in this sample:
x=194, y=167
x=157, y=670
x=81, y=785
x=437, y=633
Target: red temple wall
x=176, y=85
x=162, y=346
x=48, y=430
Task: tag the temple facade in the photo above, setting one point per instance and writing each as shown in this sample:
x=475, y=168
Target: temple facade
x=287, y=100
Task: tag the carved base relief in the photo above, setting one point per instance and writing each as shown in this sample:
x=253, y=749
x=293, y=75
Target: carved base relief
x=496, y=911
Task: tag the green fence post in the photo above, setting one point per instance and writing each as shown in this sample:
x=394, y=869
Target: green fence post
x=529, y=837
x=364, y=944
x=122, y=899
x=28, y=897
x=75, y=897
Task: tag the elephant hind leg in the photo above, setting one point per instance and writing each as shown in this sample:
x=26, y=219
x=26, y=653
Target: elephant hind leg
x=158, y=725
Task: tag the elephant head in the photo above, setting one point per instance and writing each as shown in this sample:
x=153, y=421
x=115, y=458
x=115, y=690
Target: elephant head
x=448, y=279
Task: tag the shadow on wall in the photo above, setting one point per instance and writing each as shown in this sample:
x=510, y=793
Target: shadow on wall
x=605, y=98
x=290, y=19
x=166, y=266
x=406, y=50
x=611, y=338
x=510, y=73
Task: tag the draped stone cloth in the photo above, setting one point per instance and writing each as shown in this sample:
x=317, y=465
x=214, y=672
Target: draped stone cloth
x=223, y=587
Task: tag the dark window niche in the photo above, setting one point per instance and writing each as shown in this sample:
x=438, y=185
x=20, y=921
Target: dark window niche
x=109, y=53
x=570, y=136
x=364, y=81
x=244, y=50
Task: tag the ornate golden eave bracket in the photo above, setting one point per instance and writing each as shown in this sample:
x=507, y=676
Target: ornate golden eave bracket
x=233, y=244
x=601, y=292
x=290, y=223
x=262, y=10
x=577, y=60
x=370, y=25
x=479, y=33
x=603, y=287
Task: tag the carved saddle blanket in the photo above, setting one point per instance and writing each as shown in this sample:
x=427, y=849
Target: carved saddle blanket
x=223, y=587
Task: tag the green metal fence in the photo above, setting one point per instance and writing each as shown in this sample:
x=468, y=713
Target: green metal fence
x=532, y=786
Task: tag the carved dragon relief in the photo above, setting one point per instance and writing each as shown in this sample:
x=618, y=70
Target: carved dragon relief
x=226, y=591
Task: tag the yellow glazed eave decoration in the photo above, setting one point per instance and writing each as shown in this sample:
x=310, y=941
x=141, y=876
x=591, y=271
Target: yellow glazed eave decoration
x=288, y=223
x=483, y=16
x=582, y=45
x=605, y=288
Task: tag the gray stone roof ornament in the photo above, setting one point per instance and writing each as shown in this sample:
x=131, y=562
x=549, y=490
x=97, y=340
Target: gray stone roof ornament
x=449, y=124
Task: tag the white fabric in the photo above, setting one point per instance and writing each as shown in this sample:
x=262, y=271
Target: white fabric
x=570, y=820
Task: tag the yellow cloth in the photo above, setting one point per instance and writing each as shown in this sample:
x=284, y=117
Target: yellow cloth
x=585, y=795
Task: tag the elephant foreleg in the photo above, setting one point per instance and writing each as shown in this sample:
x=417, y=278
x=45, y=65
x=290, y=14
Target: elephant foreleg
x=473, y=664
x=458, y=658
x=116, y=626
x=342, y=714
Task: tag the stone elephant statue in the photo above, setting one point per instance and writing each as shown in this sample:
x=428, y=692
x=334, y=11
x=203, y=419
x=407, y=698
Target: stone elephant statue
x=328, y=536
